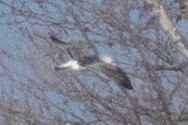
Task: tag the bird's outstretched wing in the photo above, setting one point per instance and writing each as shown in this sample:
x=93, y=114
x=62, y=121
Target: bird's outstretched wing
x=117, y=74
x=58, y=41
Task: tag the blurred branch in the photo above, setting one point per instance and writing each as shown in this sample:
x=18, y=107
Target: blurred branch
x=168, y=26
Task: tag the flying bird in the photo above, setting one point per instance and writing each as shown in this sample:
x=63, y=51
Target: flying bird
x=104, y=65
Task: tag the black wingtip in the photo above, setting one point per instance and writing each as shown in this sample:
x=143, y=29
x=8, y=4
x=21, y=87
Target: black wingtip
x=56, y=40
x=126, y=85
x=130, y=87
